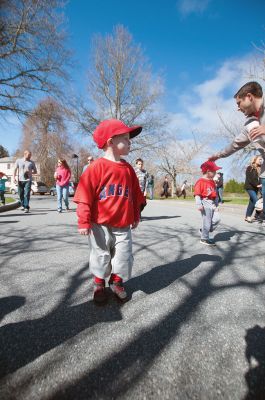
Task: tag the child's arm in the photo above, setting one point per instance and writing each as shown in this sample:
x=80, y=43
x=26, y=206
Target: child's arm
x=84, y=197
x=198, y=202
x=83, y=215
x=197, y=195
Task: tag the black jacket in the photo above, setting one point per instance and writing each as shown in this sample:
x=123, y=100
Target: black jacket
x=252, y=179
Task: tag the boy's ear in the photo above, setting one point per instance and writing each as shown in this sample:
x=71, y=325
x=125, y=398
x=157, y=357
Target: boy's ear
x=109, y=141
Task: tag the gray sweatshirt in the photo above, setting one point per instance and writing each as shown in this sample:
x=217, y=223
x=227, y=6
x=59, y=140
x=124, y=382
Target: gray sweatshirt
x=242, y=140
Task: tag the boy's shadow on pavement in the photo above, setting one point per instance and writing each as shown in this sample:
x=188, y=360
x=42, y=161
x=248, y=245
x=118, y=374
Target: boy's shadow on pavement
x=23, y=342
x=163, y=275
x=143, y=218
x=255, y=355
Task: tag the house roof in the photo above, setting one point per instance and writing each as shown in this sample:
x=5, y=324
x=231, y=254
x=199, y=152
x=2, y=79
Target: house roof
x=7, y=159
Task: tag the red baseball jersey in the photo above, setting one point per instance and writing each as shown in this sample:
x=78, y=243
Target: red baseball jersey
x=108, y=193
x=205, y=188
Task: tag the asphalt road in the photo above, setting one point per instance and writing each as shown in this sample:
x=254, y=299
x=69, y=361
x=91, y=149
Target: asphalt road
x=194, y=327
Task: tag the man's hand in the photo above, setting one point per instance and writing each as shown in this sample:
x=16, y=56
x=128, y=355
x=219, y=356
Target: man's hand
x=200, y=208
x=15, y=180
x=256, y=132
x=213, y=158
x=84, y=231
x=135, y=224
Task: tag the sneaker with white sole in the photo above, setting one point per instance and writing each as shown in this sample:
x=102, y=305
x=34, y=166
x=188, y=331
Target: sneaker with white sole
x=208, y=242
x=118, y=289
x=26, y=211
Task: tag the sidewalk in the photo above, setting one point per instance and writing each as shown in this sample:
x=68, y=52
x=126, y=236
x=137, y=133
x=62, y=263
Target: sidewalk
x=10, y=206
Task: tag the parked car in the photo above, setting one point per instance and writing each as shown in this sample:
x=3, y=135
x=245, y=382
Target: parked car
x=36, y=187
x=13, y=188
x=72, y=187
x=39, y=187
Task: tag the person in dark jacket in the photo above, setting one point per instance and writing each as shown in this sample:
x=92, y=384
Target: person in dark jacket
x=165, y=186
x=252, y=185
x=220, y=186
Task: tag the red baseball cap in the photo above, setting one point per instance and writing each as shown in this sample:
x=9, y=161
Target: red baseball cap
x=209, y=166
x=113, y=127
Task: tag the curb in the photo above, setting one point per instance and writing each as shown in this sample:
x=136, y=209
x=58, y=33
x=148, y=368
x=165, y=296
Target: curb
x=9, y=207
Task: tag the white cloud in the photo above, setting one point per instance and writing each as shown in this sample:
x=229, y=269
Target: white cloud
x=187, y=7
x=197, y=110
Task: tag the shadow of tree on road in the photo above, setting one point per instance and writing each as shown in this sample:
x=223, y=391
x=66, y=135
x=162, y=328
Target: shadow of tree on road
x=120, y=371
x=9, y=304
x=255, y=354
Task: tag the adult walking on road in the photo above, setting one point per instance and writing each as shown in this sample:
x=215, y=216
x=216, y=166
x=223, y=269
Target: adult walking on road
x=252, y=185
x=141, y=174
x=62, y=176
x=90, y=159
x=150, y=186
x=250, y=102
x=183, y=189
x=165, y=187
x=25, y=168
x=219, y=180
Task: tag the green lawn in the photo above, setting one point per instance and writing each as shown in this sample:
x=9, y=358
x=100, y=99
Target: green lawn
x=9, y=200
x=229, y=198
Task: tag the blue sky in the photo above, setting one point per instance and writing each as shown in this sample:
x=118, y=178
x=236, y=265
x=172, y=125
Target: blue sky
x=202, y=48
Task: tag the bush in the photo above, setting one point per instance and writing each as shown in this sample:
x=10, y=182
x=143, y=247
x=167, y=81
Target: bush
x=232, y=186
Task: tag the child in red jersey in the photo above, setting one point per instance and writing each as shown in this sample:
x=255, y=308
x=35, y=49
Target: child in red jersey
x=207, y=201
x=108, y=200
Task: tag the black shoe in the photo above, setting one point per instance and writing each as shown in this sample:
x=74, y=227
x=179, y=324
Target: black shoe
x=208, y=242
x=261, y=217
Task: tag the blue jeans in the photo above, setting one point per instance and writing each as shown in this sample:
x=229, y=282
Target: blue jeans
x=263, y=193
x=150, y=190
x=220, y=194
x=24, y=188
x=253, y=198
x=62, y=193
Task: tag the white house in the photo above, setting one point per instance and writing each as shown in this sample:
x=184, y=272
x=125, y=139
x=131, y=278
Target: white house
x=7, y=166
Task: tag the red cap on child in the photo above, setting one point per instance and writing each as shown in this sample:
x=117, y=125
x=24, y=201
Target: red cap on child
x=209, y=166
x=113, y=127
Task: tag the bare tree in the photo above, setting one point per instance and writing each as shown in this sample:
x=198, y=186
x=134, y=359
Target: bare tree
x=121, y=86
x=45, y=134
x=178, y=157
x=33, y=58
x=3, y=152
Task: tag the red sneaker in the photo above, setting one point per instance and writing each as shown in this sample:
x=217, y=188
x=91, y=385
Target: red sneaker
x=119, y=291
x=100, y=296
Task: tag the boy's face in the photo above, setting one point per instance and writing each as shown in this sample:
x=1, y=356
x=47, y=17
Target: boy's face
x=122, y=144
x=210, y=174
x=139, y=164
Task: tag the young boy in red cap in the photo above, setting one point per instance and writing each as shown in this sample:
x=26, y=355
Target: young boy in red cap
x=207, y=201
x=108, y=200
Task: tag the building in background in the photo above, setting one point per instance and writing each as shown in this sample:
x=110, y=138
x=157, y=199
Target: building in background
x=7, y=166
